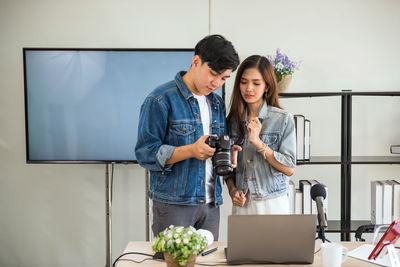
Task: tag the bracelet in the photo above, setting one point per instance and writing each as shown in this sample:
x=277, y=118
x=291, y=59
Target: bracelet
x=263, y=150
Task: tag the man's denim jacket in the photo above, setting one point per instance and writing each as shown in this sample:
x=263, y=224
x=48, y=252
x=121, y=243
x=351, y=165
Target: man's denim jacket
x=253, y=171
x=170, y=117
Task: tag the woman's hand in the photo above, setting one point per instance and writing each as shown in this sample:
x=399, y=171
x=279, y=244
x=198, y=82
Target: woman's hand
x=234, y=153
x=238, y=197
x=254, y=128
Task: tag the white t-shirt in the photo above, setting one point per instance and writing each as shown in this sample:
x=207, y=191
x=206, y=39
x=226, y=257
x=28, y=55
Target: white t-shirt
x=205, y=120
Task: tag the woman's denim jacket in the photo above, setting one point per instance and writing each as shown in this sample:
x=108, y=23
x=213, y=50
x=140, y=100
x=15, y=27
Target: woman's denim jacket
x=170, y=117
x=253, y=171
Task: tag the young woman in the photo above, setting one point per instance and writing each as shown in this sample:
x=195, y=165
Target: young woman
x=266, y=134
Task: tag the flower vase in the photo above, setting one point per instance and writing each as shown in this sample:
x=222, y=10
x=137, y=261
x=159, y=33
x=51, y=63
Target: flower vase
x=172, y=262
x=284, y=83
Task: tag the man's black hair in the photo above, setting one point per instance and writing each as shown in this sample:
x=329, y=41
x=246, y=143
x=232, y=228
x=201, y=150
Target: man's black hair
x=218, y=52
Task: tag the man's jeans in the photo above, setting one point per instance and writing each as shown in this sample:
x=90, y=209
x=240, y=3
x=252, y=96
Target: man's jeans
x=199, y=216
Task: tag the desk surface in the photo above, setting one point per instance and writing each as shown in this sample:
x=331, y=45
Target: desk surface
x=218, y=258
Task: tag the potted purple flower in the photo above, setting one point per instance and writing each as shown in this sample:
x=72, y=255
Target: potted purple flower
x=284, y=68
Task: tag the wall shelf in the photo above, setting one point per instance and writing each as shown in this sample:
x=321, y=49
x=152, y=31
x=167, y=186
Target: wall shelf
x=334, y=226
x=354, y=160
x=321, y=160
x=375, y=160
x=345, y=226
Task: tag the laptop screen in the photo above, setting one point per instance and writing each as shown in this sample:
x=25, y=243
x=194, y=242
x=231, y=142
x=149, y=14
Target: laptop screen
x=271, y=239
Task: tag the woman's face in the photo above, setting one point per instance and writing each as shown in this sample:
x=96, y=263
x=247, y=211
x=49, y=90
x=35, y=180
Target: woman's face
x=252, y=86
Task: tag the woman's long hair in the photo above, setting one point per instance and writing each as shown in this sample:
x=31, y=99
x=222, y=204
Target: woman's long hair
x=237, y=105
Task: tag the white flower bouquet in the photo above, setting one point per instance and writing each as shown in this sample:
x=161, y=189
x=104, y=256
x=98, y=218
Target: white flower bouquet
x=180, y=242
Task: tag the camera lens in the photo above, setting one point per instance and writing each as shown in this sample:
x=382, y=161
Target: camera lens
x=223, y=170
x=222, y=157
x=222, y=162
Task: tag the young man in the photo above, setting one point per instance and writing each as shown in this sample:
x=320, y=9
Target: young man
x=175, y=121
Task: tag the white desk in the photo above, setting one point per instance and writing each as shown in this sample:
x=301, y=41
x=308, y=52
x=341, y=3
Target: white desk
x=218, y=257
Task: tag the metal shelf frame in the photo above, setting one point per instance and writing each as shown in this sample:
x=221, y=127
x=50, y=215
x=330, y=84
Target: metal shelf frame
x=345, y=160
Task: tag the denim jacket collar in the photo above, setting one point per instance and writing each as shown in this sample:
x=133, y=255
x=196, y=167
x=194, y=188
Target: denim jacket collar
x=182, y=86
x=187, y=93
x=262, y=114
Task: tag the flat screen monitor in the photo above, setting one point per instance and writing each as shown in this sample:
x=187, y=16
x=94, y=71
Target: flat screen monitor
x=82, y=105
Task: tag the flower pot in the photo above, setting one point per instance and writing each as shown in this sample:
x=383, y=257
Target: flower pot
x=283, y=85
x=172, y=262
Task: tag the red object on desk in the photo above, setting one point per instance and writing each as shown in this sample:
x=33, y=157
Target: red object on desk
x=389, y=237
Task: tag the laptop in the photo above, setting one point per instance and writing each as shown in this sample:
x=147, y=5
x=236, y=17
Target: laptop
x=271, y=239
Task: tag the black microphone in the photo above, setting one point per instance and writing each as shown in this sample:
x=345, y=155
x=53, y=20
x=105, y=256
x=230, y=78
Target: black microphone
x=318, y=194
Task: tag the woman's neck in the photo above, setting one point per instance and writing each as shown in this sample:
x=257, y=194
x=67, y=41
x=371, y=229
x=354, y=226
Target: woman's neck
x=253, y=110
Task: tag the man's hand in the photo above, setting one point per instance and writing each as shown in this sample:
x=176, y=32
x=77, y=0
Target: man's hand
x=201, y=150
x=234, y=153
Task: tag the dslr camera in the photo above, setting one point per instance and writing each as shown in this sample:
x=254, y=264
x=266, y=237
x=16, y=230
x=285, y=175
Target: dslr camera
x=222, y=161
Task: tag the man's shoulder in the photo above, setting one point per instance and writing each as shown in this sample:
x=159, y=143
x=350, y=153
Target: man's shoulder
x=165, y=88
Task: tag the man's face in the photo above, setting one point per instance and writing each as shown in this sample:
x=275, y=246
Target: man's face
x=206, y=80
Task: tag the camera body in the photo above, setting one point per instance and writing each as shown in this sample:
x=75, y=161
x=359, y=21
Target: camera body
x=222, y=161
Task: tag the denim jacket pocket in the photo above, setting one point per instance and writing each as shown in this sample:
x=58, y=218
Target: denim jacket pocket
x=271, y=139
x=182, y=134
x=280, y=181
x=174, y=185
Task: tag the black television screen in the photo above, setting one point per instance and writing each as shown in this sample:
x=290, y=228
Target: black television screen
x=82, y=105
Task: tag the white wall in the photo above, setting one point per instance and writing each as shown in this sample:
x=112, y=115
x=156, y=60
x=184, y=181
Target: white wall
x=54, y=215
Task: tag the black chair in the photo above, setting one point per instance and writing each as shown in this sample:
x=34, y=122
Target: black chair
x=369, y=228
